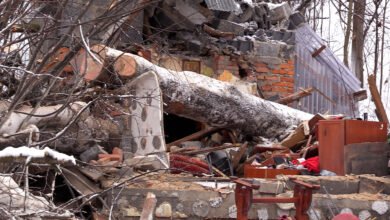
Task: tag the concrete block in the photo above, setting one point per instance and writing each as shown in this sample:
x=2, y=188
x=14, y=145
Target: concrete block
x=279, y=12
x=228, y=26
x=295, y=20
x=270, y=61
x=267, y=49
x=185, y=9
x=372, y=184
x=270, y=187
x=333, y=184
x=195, y=46
x=339, y=186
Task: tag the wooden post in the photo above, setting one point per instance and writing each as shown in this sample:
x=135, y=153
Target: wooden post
x=149, y=206
x=380, y=110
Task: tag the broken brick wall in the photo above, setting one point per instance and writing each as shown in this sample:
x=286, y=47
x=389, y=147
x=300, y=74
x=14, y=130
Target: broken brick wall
x=275, y=80
x=268, y=71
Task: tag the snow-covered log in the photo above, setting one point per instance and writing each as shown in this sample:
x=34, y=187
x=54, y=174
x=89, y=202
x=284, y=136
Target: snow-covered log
x=205, y=99
x=33, y=155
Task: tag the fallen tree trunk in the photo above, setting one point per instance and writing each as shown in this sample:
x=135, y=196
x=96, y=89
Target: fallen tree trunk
x=202, y=98
x=49, y=120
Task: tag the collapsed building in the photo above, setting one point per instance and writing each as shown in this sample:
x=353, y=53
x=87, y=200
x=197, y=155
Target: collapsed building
x=196, y=92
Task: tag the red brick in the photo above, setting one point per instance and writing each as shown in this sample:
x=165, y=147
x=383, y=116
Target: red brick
x=222, y=58
x=286, y=66
x=279, y=89
x=259, y=64
x=279, y=71
x=272, y=77
x=290, y=90
x=284, y=84
x=262, y=69
x=290, y=62
x=266, y=88
x=290, y=72
x=287, y=79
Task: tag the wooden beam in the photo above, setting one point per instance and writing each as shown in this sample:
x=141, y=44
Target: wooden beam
x=380, y=110
x=194, y=136
x=208, y=149
x=296, y=96
x=238, y=155
x=318, y=51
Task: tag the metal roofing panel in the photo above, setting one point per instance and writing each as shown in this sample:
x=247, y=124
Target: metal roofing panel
x=224, y=5
x=325, y=72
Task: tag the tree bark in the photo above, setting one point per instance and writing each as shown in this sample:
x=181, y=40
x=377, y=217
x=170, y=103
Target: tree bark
x=211, y=101
x=348, y=32
x=358, y=39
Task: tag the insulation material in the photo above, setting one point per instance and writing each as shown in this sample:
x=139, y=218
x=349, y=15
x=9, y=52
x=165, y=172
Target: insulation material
x=147, y=132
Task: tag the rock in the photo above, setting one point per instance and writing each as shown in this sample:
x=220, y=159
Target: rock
x=201, y=208
x=262, y=214
x=233, y=211
x=131, y=211
x=380, y=207
x=365, y=214
x=164, y=210
x=216, y=202
x=177, y=215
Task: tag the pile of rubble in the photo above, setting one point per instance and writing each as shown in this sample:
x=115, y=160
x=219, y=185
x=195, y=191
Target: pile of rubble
x=135, y=126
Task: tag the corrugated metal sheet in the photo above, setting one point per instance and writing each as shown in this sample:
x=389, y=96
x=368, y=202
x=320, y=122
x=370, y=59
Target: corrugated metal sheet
x=324, y=72
x=224, y=5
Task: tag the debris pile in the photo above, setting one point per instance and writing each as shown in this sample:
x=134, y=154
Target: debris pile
x=117, y=113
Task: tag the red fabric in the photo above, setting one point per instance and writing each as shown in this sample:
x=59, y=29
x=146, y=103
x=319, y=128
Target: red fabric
x=312, y=164
x=345, y=216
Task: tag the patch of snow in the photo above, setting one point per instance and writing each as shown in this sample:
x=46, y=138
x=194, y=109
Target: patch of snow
x=32, y=153
x=273, y=5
